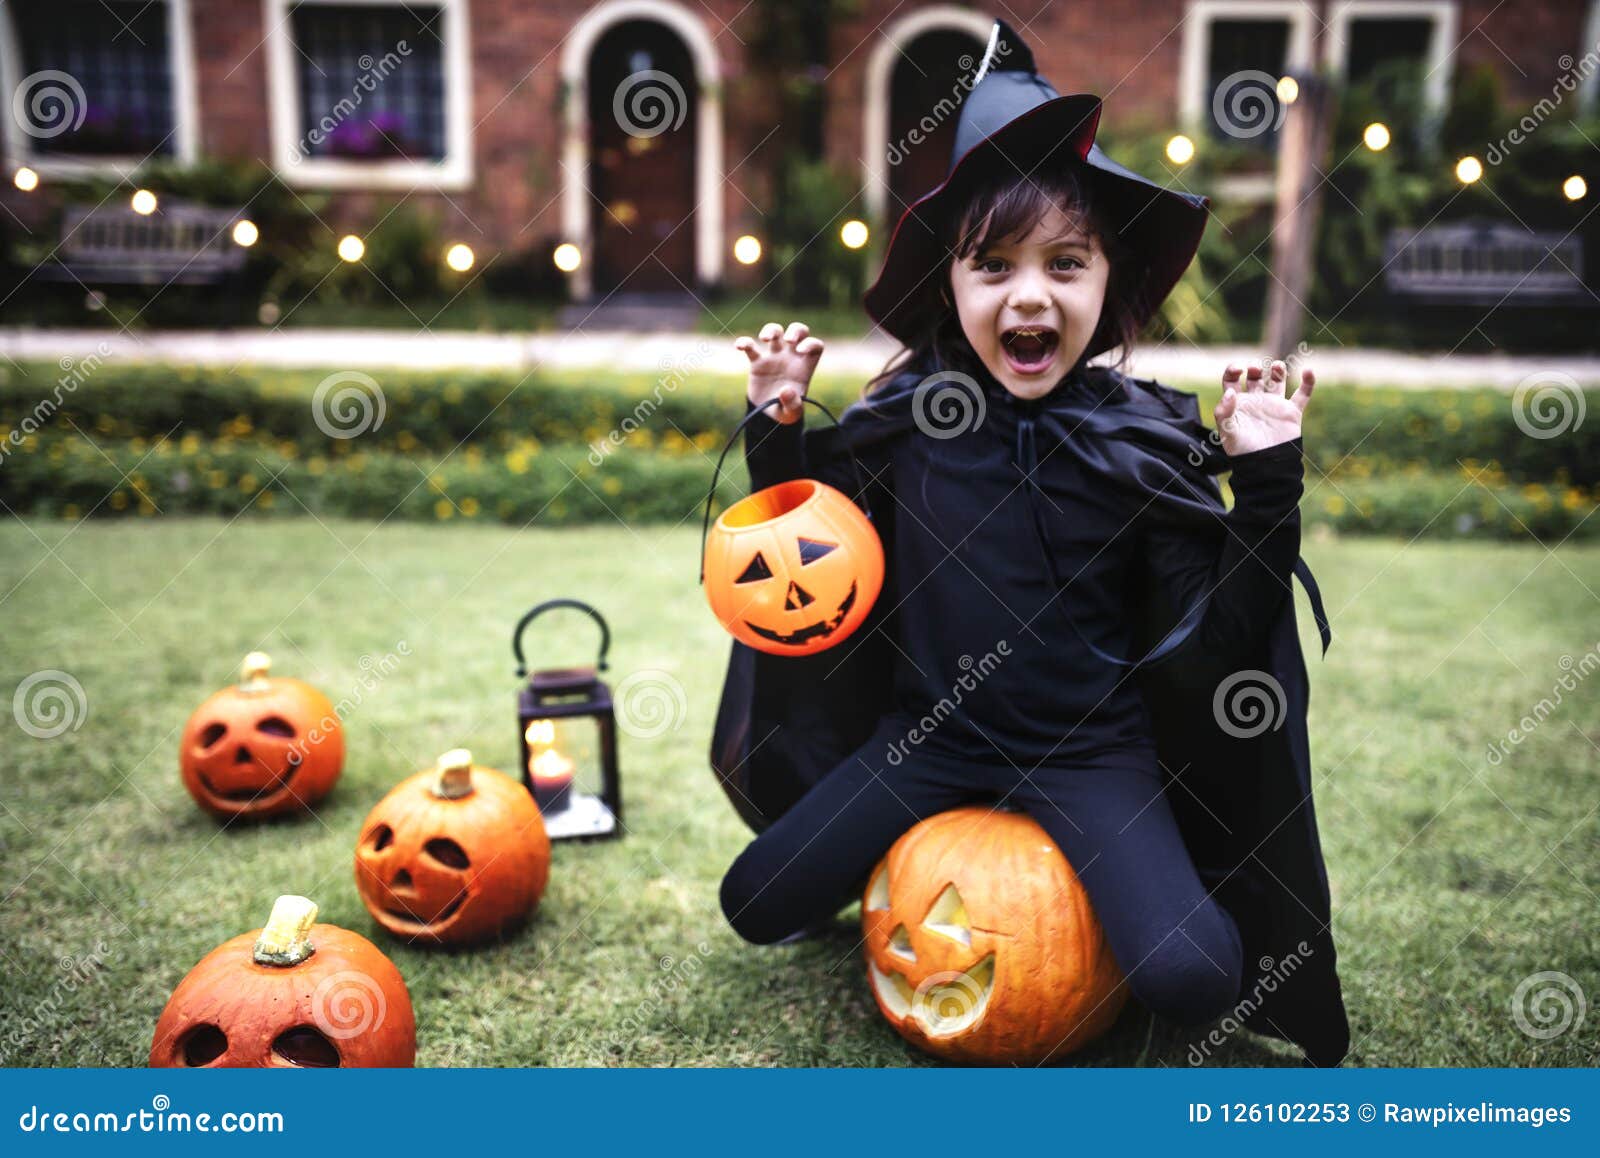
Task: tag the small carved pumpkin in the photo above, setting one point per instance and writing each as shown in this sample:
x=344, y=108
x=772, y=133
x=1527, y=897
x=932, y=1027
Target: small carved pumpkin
x=293, y=993
x=982, y=946
x=793, y=569
x=264, y=747
x=453, y=854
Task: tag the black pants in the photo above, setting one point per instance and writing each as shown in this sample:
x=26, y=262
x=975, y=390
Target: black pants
x=1178, y=948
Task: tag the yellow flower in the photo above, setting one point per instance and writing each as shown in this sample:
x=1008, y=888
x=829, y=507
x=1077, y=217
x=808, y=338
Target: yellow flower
x=1334, y=505
x=70, y=511
x=517, y=462
x=248, y=483
x=405, y=440
x=266, y=500
x=146, y=507
x=189, y=443
x=317, y=465
x=1572, y=499
x=611, y=484
x=443, y=510
x=453, y=393
x=215, y=479
x=469, y=507
x=1452, y=421
x=119, y=501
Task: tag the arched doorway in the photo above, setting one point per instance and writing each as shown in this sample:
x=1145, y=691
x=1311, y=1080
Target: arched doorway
x=642, y=115
x=916, y=80
x=642, y=166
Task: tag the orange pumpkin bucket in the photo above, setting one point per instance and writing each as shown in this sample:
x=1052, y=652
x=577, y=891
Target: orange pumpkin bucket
x=792, y=569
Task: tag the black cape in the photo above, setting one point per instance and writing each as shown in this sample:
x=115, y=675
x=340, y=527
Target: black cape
x=1245, y=804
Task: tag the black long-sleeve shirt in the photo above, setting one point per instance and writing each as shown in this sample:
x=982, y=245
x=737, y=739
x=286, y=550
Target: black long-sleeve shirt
x=982, y=654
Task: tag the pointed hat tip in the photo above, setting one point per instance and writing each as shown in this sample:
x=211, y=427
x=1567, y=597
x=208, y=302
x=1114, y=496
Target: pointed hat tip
x=1006, y=52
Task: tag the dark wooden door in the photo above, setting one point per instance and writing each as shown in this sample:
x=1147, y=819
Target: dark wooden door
x=642, y=105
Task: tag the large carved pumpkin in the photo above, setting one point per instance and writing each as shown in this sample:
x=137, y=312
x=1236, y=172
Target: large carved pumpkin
x=293, y=993
x=982, y=946
x=453, y=854
x=264, y=747
x=793, y=569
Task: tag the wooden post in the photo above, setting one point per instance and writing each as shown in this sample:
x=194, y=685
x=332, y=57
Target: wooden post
x=1303, y=150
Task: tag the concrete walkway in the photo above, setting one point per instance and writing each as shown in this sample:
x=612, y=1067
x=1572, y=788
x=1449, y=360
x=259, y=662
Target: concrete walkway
x=688, y=353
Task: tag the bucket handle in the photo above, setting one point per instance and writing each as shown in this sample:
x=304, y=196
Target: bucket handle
x=705, y=524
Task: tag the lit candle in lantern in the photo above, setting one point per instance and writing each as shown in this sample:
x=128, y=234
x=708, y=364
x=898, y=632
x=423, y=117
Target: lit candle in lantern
x=550, y=771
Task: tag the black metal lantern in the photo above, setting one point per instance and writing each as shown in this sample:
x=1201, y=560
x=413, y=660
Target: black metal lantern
x=568, y=735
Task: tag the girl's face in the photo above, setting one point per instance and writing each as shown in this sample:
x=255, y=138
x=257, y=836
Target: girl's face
x=1029, y=305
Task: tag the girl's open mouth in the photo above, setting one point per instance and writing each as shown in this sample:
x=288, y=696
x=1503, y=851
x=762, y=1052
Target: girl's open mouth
x=1029, y=349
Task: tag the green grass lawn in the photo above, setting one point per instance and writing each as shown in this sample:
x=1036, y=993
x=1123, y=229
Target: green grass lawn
x=1454, y=879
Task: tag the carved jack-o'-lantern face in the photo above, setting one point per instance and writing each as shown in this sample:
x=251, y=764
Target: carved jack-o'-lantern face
x=453, y=854
x=793, y=569
x=292, y=994
x=263, y=747
x=982, y=946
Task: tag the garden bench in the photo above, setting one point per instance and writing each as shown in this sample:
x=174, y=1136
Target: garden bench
x=177, y=245
x=1485, y=263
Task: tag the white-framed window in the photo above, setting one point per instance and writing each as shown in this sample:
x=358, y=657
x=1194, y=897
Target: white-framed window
x=1369, y=40
x=1233, y=53
x=97, y=86
x=1224, y=38
x=370, y=94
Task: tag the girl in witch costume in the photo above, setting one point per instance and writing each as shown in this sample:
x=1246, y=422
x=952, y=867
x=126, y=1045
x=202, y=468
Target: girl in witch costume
x=1072, y=623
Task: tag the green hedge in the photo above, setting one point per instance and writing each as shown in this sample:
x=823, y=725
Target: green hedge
x=67, y=476
x=679, y=409
x=71, y=478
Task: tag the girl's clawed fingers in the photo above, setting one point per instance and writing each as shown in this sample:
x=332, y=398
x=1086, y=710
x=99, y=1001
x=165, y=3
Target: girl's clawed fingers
x=795, y=332
x=1230, y=378
x=809, y=347
x=1276, y=378
x=1308, y=383
x=748, y=345
x=1252, y=378
x=772, y=335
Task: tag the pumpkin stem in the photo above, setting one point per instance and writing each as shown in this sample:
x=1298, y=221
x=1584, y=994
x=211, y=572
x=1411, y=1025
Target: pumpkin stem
x=286, y=940
x=455, y=775
x=253, y=672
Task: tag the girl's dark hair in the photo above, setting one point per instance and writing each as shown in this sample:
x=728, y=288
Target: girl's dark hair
x=1008, y=205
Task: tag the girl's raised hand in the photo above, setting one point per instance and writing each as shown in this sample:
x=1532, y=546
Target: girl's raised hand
x=781, y=364
x=1259, y=413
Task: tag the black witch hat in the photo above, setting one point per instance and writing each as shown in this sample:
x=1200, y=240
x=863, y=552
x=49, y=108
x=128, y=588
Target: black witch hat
x=1013, y=120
